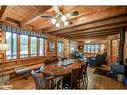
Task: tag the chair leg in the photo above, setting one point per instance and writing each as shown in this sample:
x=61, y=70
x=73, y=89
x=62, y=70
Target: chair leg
x=78, y=84
x=83, y=82
x=86, y=81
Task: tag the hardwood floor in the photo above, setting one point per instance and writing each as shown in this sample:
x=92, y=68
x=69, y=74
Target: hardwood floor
x=103, y=82
x=95, y=82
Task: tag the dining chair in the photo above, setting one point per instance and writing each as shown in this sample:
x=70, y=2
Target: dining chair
x=42, y=82
x=72, y=81
x=83, y=78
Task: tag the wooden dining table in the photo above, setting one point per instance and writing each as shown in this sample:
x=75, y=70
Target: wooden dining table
x=57, y=69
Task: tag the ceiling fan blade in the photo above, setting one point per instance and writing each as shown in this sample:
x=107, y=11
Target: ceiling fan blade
x=75, y=13
x=48, y=17
x=57, y=10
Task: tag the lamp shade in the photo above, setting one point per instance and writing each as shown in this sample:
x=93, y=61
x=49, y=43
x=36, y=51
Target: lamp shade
x=4, y=46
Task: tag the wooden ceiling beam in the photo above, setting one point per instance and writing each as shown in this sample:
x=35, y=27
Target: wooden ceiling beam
x=95, y=29
x=104, y=34
x=111, y=32
x=92, y=37
x=95, y=24
x=35, y=15
x=2, y=11
x=13, y=21
x=93, y=33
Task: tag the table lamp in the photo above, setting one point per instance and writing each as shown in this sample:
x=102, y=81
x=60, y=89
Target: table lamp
x=3, y=47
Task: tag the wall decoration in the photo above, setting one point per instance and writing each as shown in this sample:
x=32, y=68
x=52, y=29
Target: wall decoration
x=52, y=45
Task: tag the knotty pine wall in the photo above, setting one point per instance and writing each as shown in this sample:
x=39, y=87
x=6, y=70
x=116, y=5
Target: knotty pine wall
x=32, y=62
x=112, y=52
x=125, y=47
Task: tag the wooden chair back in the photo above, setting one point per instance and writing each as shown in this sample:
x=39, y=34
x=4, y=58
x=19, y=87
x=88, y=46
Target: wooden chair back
x=40, y=81
x=83, y=69
x=74, y=77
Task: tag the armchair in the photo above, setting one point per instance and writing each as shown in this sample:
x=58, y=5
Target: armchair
x=97, y=61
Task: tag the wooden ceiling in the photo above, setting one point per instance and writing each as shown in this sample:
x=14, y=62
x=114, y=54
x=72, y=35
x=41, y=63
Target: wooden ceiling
x=92, y=21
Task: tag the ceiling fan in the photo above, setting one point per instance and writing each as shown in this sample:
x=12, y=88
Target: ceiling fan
x=60, y=17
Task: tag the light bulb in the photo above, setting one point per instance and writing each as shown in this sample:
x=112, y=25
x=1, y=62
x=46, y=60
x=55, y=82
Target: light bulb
x=57, y=25
x=66, y=23
x=64, y=18
x=53, y=20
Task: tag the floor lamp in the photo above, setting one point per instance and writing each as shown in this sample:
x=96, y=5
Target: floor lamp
x=3, y=48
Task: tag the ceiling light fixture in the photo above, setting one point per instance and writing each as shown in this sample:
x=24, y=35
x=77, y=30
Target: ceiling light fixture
x=63, y=18
x=66, y=23
x=54, y=20
x=57, y=24
x=59, y=20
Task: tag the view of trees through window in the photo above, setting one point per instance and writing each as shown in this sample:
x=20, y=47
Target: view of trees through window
x=60, y=49
x=42, y=47
x=73, y=46
x=12, y=52
x=91, y=48
x=23, y=46
x=11, y=40
x=33, y=46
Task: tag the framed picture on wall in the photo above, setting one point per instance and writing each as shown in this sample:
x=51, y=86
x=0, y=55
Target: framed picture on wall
x=52, y=45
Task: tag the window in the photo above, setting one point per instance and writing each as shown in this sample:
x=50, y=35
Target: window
x=11, y=40
x=73, y=46
x=60, y=49
x=88, y=49
x=42, y=47
x=33, y=46
x=85, y=48
x=96, y=48
x=23, y=46
x=91, y=48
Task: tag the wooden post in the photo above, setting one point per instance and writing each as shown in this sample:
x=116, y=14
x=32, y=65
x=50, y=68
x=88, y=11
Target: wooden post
x=29, y=47
x=121, y=45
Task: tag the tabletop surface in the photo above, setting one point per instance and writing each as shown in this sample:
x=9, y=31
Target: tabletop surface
x=57, y=69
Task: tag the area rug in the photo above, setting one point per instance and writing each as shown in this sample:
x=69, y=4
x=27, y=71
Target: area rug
x=102, y=72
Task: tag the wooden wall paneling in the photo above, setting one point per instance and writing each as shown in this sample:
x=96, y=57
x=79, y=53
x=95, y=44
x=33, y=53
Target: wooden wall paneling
x=3, y=38
x=125, y=48
x=0, y=42
x=66, y=47
x=18, y=43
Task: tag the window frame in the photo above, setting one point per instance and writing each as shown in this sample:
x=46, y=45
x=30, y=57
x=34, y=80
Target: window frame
x=90, y=46
x=18, y=49
x=36, y=47
x=12, y=53
x=24, y=55
x=39, y=50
